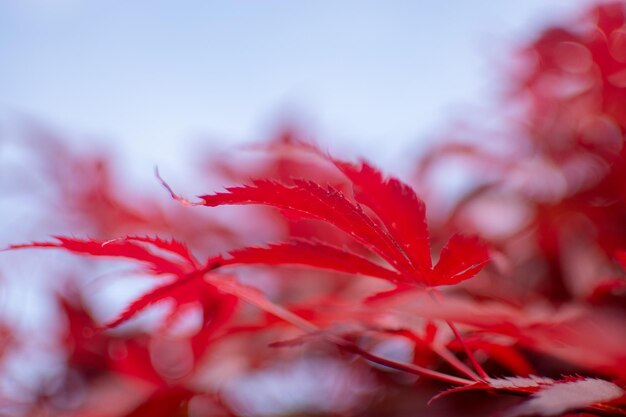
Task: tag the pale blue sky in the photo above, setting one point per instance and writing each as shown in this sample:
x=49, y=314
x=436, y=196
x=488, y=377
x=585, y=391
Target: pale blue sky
x=152, y=73
x=147, y=75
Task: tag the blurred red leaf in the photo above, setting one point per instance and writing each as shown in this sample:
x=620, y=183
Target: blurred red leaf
x=165, y=402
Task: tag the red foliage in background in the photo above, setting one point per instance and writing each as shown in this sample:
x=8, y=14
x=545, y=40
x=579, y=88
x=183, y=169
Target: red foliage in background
x=345, y=299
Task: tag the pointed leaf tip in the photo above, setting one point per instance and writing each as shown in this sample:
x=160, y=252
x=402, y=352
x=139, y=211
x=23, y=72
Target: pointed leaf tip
x=462, y=258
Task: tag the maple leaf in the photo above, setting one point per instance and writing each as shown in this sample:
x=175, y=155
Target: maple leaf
x=310, y=200
x=129, y=247
x=397, y=206
x=403, y=214
x=462, y=258
x=163, y=257
x=397, y=231
x=309, y=253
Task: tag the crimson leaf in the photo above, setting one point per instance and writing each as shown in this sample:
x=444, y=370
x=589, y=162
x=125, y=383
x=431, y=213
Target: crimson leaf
x=120, y=248
x=310, y=200
x=461, y=259
x=397, y=206
x=315, y=254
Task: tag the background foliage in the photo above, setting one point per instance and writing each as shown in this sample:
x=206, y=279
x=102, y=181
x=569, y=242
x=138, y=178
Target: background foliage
x=348, y=294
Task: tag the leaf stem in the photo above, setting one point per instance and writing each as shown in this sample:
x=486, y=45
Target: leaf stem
x=470, y=355
x=255, y=297
x=407, y=367
x=453, y=361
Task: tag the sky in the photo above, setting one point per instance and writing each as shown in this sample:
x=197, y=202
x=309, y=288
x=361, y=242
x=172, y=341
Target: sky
x=154, y=77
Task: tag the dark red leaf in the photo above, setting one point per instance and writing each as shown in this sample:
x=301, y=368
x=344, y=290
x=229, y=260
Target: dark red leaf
x=621, y=258
x=165, y=402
